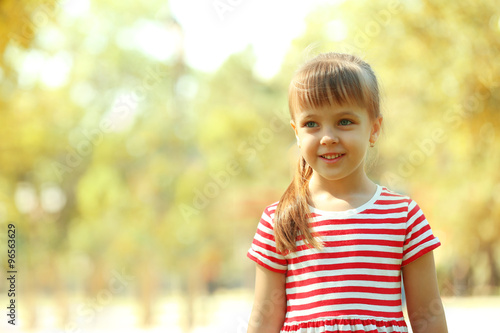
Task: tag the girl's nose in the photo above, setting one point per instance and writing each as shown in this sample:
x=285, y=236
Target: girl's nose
x=329, y=138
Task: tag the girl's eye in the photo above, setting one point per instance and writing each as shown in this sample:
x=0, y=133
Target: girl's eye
x=345, y=122
x=310, y=124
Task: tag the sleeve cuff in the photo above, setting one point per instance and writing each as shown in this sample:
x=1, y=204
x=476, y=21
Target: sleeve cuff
x=257, y=258
x=420, y=253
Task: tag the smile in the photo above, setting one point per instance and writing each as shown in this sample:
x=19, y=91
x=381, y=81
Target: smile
x=331, y=156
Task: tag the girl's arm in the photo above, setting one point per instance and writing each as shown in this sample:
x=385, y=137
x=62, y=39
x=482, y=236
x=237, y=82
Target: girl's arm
x=423, y=302
x=269, y=307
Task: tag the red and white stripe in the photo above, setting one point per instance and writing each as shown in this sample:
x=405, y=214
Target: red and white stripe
x=352, y=284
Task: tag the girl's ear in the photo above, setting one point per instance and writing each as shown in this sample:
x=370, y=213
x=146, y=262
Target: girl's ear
x=376, y=129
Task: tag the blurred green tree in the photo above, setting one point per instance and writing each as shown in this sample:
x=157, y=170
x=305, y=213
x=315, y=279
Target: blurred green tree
x=116, y=155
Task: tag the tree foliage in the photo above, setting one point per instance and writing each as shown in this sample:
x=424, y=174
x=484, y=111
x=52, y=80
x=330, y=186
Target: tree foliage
x=117, y=155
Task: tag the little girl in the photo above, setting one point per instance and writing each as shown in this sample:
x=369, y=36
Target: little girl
x=332, y=253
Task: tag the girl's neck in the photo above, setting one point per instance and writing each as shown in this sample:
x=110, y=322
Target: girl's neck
x=340, y=194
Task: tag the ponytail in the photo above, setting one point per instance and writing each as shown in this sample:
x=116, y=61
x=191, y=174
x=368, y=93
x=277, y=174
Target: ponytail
x=292, y=213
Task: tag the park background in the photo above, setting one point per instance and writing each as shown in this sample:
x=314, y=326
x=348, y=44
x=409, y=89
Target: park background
x=140, y=142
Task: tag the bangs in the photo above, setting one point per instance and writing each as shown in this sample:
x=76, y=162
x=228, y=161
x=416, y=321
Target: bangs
x=323, y=83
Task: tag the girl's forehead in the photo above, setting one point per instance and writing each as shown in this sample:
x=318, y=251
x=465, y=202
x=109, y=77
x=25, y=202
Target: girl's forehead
x=332, y=110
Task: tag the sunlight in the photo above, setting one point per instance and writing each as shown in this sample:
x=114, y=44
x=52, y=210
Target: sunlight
x=55, y=71
x=336, y=30
x=150, y=38
x=210, y=38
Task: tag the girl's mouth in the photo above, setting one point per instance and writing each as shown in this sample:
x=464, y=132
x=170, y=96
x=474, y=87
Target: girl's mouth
x=331, y=157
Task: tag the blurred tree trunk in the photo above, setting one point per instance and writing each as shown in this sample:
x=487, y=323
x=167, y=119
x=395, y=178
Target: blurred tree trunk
x=494, y=280
x=193, y=288
x=147, y=291
x=96, y=282
x=29, y=296
x=60, y=293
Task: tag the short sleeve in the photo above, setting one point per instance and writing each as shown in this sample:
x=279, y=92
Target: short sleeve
x=263, y=250
x=419, y=238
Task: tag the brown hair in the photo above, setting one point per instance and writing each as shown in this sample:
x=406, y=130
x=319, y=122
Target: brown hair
x=329, y=79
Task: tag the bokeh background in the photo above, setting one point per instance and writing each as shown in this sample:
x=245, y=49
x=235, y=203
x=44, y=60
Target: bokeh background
x=141, y=140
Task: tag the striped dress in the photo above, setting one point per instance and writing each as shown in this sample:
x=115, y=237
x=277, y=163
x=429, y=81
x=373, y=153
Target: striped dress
x=354, y=283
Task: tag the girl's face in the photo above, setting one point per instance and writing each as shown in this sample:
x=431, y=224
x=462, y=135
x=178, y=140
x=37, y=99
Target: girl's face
x=334, y=139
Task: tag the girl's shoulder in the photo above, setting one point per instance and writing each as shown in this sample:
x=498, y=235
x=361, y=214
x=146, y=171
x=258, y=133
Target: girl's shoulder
x=270, y=210
x=392, y=198
x=390, y=194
